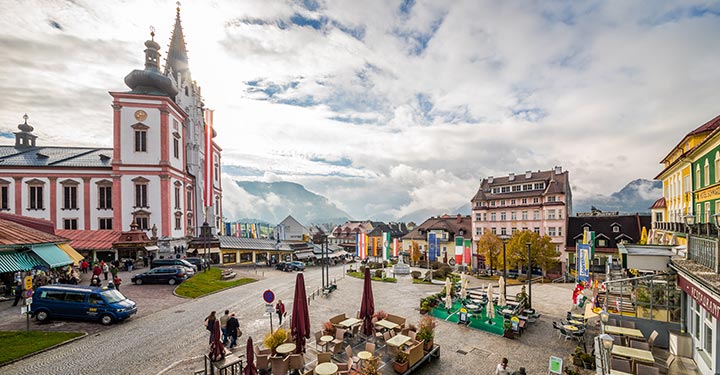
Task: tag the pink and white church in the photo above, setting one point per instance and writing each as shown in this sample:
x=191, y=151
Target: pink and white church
x=158, y=175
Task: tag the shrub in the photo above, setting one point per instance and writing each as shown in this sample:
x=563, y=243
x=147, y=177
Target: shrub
x=426, y=329
x=401, y=357
x=329, y=328
x=275, y=339
x=415, y=274
x=379, y=273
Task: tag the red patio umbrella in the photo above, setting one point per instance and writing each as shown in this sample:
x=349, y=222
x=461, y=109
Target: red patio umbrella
x=300, y=321
x=367, y=306
x=217, y=350
x=250, y=368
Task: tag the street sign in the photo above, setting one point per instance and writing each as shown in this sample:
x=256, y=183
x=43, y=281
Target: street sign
x=28, y=282
x=23, y=310
x=268, y=296
x=555, y=366
x=28, y=301
x=269, y=308
x=28, y=293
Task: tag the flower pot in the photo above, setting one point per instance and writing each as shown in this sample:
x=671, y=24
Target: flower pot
x=400, y=368
x=428, y=345
x=577, y=361
x=509, y=334
x=589, y=365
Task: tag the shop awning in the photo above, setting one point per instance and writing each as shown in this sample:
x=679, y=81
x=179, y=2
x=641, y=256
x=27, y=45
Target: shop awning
x=13, y=262
x=52, y=255
x=151, y=248
x=302, y=255
x=74, y=255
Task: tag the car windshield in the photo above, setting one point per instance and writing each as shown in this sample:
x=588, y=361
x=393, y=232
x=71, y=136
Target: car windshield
x=113, y=296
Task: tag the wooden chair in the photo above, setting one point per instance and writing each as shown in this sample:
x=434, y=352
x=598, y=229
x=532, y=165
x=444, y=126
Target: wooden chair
x=355, y=333
x=262, y=362
x=411, y=334
x=353, y=358
x=646, y=370
x=386, y=337
x=639, y=345
x=339, y=336
x=279, y=365
x=370, y=347
x=664, y=365
x=337, y=349
x=323, y=357
x=345, y=368
x=651, y=340
x=627, y=324
x=318, y=335
x=621, y=364
x=296, y=362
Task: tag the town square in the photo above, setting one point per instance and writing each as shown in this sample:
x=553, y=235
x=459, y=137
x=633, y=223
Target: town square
x=359, y=188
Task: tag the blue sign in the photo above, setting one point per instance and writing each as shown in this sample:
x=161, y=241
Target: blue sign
x=432, y=244
x=268, y=296
x=583, y=262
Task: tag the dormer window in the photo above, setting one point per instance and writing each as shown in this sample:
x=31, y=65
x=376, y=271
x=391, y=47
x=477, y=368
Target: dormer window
x=616, y=229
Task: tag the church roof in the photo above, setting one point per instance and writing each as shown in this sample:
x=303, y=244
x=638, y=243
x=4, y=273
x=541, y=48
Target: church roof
x=177, y=59
x=75, y=157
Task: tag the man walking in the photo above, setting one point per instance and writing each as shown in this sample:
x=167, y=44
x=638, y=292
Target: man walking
x=18, y=293
x=233, y=330
x=105, y=269
x=223, y=326
x=280, y=310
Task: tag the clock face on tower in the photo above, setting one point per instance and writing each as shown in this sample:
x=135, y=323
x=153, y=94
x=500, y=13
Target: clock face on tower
x=140, y=115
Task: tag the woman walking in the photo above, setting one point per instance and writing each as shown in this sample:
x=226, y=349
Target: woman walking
x=209, y=324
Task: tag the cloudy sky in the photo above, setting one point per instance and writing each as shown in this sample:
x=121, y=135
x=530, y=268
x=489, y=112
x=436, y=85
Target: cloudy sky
x=386, y=107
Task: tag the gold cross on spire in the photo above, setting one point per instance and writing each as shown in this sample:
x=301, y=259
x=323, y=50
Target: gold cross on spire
x=152, y=32
x=178, y=6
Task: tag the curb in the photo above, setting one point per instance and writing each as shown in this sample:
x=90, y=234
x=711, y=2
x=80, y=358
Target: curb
x=85, y=334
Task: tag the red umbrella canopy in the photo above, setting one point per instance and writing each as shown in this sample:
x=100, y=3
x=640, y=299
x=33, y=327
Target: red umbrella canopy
x=300, y=321
x=217, y=350
x=250, y=368
x=367, y=306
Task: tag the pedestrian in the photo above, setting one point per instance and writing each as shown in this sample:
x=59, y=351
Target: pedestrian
x=110, y=285
x=129, y=265
x=209, y=323
x=114, y=271
x=95, y=280
x=233, y=329
x=105, y=270
x=97, y=270
x=84, y=266
x=521, y=371
x=223, y=326
x=280, y=310
x=117, y=281
x=18, y=293
x=502, y=368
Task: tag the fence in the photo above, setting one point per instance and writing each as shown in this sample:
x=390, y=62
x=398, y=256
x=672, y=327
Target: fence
x=704, y=251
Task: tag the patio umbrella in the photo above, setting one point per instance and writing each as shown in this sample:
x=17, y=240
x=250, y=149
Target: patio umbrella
x=501, y=301
x=367, y=305
x=300, y=320
x=490, y=310
x=217, y=350
x=250, y=368
x=463, y=285
x=448, y=296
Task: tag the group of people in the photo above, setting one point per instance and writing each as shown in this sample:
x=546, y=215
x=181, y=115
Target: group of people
x=503, y=369
x=103, y=268
x=229, y=327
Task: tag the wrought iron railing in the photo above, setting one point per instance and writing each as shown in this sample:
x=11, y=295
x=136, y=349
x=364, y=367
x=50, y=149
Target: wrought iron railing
x=704, y=251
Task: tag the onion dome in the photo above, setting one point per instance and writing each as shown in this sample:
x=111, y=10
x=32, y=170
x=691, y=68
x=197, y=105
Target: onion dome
x=25, y=137
x=150, y=81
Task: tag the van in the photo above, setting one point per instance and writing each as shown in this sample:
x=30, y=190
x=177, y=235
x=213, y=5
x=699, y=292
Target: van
x=81, y=302
x=172, y=262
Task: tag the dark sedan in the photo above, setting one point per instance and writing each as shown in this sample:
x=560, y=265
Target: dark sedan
x=161, y=275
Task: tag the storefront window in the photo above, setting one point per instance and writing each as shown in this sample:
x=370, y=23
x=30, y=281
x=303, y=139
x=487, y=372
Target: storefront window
x=697, y=320
x=708, y=345
x=245, y=257
x=229, y=258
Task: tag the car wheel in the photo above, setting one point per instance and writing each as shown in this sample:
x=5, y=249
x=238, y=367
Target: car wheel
x=106, y=319
x=172, y=281
x=138, y=282
x=42, y=316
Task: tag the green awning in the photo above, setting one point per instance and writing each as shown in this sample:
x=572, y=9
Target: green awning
x=13, y=261
x=52, y=255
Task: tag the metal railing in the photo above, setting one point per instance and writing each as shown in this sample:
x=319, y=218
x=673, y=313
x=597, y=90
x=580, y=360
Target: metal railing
x=704, y=251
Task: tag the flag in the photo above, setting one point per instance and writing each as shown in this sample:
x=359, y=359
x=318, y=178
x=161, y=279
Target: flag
x=375, y=245
x=386, y=245
x=431, y=246
x=208, y=158
x=361, y=245
x=238, y=232
x=468, y=249
x=253, y=231
x=459, y=250
x=396, y=247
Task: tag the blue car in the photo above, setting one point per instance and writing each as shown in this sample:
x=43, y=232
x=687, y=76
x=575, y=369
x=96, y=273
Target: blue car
x=81, y=302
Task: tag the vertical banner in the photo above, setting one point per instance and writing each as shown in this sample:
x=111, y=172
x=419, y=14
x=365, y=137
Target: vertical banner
x=228, y=229
x=466, y=255
x=459, y=250
x=437, y=247
x=238, y=231
x=375, y=246
x=386, y=245
x=431, y=246
x=396, y=247
x=208, y=188
x=357, y=245
x=362, y=245
x=583, y=262
x=366, y=242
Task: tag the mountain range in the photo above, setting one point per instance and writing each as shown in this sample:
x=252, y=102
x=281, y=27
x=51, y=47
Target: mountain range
x=636, y=196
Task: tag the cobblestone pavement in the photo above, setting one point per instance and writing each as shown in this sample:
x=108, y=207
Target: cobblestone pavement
x=169, y=338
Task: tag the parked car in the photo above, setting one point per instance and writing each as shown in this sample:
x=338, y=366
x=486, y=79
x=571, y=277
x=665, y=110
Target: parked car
x=81, y=302
x=161, y=275
x=172, y=262
x=283, y=266
x=297, y=265
x=198, y=262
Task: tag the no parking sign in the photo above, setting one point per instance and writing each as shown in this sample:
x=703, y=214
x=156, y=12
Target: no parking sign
x=268, y=296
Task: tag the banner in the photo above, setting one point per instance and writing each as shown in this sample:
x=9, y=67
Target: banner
x=361, y=246
x=466, y=257
x=583, y=262
x=396, y=247
x=228, y=229
x=459, y=250
x=432, y=252
x=375, y=246
x=208, y=188
x=386, y=245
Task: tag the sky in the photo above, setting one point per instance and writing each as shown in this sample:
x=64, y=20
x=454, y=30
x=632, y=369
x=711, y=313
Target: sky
x=385, y=107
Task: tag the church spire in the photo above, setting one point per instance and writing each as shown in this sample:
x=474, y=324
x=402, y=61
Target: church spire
x=177, y=59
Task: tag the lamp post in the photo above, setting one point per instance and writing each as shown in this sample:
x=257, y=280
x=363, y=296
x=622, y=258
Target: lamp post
x=607, y=342
x=604, y=318
x=205, y=233
x=689, y=222
x=504, y=239
x=529, y=276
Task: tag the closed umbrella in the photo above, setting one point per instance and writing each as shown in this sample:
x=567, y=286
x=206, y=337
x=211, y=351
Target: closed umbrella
x=448, y=296
x=300, y=321
x=490, y=310
x=367, y=305
x=217, y=350
x=463, y=285
x=501, y=301
x=250, y=368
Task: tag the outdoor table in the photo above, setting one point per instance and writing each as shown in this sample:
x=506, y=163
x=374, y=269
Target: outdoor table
x=570, y=328
x=618, y=372
x=349, y=322
x=472, y=307
x=632, y=332
x=506, y=312
x=398, y=340
x=576, y=322
x=285, y=348
x=578, y=316
x=364, y=356
x=326, y=368
x=636, y=354
x=511, y=303
x=386, y=324
x=324, y=340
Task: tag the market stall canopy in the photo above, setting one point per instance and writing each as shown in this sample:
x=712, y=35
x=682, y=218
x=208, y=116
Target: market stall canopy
x=74, y=255
x=52, y=255
x=12, y=261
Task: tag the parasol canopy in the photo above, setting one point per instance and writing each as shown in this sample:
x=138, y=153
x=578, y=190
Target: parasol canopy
x=250, y=368
x=448, y=296
x=367, y=305
x=490, y=310
x=501, y=300
x=300, y=320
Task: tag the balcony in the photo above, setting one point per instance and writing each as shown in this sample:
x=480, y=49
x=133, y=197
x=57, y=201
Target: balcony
x=704, y=251
x=670, y=226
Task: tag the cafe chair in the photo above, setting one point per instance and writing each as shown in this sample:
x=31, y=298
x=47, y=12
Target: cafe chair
x=308, y=372
x=279, y=365
x=323, y=357
x=339, y=336
x=412, y=335
x=262, y=363
x=355, y=334
x=344, y=368
x=651, y=340
x=296, y=362
x=318, y=335
x=337, y=349
x=557, y=327
x=639, y=345
x=647, y=370
x=352, y=358
x=370, y=347
x=627, y=324
x=664, y=365
x=565, y=334
x=386, y=337
x=621, y=364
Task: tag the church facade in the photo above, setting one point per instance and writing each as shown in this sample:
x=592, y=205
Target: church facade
x=158, y=175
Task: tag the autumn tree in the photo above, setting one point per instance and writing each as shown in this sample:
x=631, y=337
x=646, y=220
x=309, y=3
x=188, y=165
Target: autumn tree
x=490, y=246
x=542, y=250
x=415, y=252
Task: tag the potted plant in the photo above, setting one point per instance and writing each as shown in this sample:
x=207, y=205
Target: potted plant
x=569, y=371
x=328, y=328
x=426, y=332
x=400, y=362
x=380, y=315
x=507, y=329
x=577, y=356
x=371, y=367
x=424, y=306
x=588, y=361
x=274, y=339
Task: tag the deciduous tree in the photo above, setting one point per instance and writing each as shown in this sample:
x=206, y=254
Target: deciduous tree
x=542, y=250
x=490, y=246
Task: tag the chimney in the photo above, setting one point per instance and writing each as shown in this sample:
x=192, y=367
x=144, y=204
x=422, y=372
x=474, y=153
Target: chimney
x=490, y=180
x=511, y=177
x=528, y=174
x=459, y=218
x=558, y=169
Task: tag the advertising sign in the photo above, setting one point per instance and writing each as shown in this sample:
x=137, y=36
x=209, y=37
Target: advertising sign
x=432, y=238
x=709, y=303
x=28, y=282
x=583, y=262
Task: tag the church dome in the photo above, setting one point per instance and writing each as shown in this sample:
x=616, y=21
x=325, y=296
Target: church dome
x=150, y=81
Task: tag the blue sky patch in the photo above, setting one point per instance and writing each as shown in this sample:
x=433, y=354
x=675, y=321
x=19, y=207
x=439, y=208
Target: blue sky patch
x=300, y=20
x=352, y=120
x=406, y=6
x=416, y=40
x=343, y=162
x=530, y=114
x=679, y=13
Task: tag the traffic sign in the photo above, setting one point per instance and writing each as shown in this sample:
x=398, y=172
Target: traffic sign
x=269, y=308
x=28, y=282
x=28, y=301
x=268, y=296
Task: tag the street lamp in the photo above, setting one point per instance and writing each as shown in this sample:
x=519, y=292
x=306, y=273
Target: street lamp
x=689, y=222
x=607, y=344
x=529, y=276
x=604, y=318
x=205, y=233
x=504, y=239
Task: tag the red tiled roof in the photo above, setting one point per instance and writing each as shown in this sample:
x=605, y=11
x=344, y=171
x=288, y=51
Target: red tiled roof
x=14, y=234
x=39, y=224
x=90, y=239
x=660, y=203
x=708, y=126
